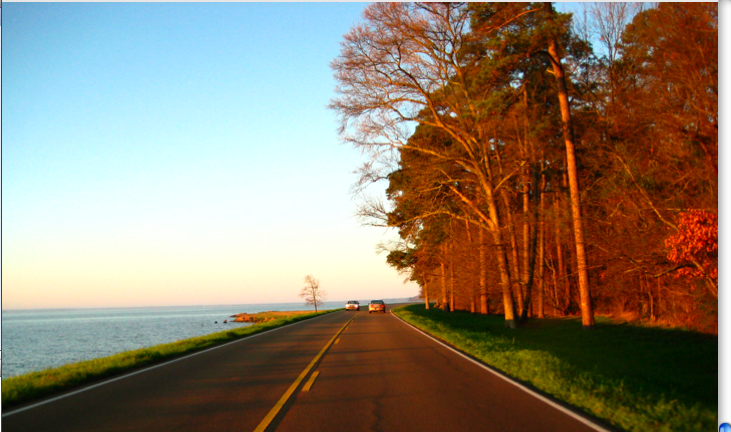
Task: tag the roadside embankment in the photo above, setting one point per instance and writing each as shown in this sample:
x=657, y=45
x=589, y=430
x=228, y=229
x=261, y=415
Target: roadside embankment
x=260, y=317
x=36, y=385
x=634, y=378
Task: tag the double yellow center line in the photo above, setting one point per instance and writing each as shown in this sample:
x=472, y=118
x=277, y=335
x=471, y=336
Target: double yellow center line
x=283, y=400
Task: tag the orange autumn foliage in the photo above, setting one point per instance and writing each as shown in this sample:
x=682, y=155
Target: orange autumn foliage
x=696, y=244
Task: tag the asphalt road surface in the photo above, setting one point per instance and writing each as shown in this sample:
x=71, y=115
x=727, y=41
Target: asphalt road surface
x=372, y=372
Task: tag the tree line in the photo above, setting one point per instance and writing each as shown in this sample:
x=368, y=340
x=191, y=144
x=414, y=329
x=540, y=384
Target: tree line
x=529, y=173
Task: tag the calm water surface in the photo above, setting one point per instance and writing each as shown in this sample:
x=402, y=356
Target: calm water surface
x=38, y=339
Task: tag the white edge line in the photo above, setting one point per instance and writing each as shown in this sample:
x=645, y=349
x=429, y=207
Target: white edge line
x=81, y=390
x=517, y=384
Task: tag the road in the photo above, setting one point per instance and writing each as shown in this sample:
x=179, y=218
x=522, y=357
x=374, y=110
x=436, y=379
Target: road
x=378, y=374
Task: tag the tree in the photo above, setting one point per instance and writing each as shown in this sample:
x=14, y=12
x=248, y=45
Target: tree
x=653, y=163
x=312, y=293
x=409, y=64
x=486, y=118
x=587, y=311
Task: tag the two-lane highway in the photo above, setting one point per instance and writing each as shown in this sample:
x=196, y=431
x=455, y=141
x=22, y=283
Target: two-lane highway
x=377, y=374
x=384, y=375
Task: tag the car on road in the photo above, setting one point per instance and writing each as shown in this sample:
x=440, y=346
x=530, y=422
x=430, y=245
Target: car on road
x=377, y=306
x=352, y=305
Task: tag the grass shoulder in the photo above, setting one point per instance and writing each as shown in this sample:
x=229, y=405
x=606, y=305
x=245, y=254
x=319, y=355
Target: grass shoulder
x=635, y=378
x=37, y=385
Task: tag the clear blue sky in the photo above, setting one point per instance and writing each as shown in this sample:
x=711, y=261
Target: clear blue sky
x=178, y=153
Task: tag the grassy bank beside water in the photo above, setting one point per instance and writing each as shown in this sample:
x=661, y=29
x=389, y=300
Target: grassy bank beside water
x=36, y=385
x=635, y=378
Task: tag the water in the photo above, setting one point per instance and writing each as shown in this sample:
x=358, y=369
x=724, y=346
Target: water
x=38, y=339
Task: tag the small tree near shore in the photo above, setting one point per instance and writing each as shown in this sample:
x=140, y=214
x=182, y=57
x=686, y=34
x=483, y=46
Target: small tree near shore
x=312, y=293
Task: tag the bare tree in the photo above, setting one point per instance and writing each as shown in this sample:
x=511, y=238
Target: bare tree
x=608, y=21
x=312, y=293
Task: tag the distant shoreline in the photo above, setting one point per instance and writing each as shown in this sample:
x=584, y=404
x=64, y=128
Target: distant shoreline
x=272, y=308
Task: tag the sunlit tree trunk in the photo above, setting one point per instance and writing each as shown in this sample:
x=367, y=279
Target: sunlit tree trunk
x=502, y=260
x=513, y=259
x=541, y=245
x=587, y=313
x=560, y=264
x=451, y=278
x=529, y=243
x=483, y=272
x=445, y=294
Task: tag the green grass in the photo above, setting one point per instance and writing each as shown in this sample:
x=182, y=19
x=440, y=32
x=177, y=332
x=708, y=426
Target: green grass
x=36, y=385
x=634, y=378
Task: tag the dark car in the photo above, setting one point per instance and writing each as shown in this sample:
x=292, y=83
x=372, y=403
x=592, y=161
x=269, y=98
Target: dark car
x=377, y=306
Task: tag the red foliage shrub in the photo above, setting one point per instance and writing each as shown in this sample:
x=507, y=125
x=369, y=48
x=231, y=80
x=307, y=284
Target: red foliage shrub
x=696, y=244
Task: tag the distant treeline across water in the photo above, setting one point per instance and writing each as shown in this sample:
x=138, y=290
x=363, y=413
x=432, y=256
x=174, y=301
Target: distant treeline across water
x=38, y=339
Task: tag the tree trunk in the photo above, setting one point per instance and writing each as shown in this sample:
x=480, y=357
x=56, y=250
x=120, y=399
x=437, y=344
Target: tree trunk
x=587, y=313
x=505, y=281
x=541, y=245
x=483, y=273
x=451, y=279
x=529, y=241
x=514, y=260
x=502, y=261
x=426, y=292
x=526, y=255
x=445, y=295
x=560, y=265
x=556, y=303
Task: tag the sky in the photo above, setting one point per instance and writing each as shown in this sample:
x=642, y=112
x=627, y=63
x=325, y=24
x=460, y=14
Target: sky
x=179, y=154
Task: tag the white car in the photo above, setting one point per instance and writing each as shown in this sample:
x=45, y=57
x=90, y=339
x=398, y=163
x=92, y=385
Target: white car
x=352, y=305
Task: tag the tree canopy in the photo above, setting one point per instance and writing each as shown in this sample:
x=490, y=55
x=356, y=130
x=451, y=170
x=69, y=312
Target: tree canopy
x=529, y=175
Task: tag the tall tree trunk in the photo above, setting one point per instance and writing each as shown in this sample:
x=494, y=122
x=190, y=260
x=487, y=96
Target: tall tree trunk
x=473, y=288
x=532, y=238
x=529, y=241
x=426, y=291
x=451, y=278
x=445, y=297
x=541, y=245
x=526, y=255
x=492, y=219
x=560, y=264
x=514, y=261
x=508, y=304
x=556, y=303
x=502, y=261
x=483, y=273
x=587, y=313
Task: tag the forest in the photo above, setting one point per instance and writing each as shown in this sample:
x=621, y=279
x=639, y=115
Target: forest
x=541, y=164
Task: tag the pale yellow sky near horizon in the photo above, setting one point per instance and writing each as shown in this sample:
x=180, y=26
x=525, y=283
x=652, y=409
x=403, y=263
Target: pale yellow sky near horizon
x=178, y=154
